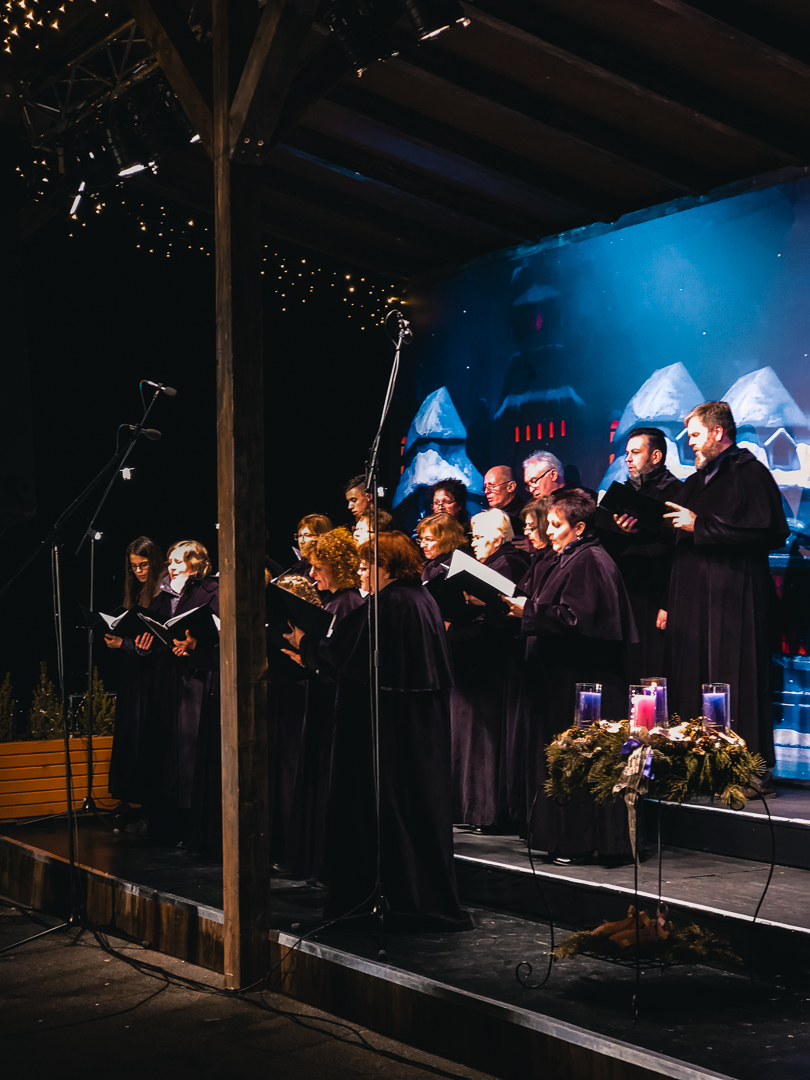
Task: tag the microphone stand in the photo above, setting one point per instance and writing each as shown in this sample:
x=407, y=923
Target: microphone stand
x=52, y=542
x=404, y=337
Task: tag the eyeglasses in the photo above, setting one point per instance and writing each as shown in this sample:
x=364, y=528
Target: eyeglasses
x=494, y=487
x=304, y=535
x=422, y=540
x=444, y=502
x=535, y=480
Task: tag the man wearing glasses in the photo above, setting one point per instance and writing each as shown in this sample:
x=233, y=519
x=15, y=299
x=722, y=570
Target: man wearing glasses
x=500, y=489
x=542, y=474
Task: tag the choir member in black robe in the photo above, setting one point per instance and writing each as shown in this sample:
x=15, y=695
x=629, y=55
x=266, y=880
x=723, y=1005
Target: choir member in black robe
x=309, y=528
x=500, y=489
x=450, y=497
x=644, y=557
x=133, y=764
x=513, y=745
x=439, y=535
x=485, y=663
x=416, y=838
x=333, y=567
x=575, y=624
x=188, y=691
x=728, y=516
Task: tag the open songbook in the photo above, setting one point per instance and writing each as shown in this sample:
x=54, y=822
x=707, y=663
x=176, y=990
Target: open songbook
x=284, y=607
x=200, y=622
x=122, y=623
x=479, y=580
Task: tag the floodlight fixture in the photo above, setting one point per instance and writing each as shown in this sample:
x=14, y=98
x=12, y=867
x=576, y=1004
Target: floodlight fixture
x=430, y=18
x=358, y=30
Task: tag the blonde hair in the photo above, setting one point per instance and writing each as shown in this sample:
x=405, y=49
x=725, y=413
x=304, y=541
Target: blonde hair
x=494, y=519
x=447, y=531
x=338, y=550
x=195, y=556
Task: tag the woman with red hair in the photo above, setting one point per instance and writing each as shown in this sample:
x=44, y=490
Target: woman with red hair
x=415, y=825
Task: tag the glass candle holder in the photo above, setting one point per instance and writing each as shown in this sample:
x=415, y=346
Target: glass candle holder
x=641, y=707
x=717, y=706
x=661, y=707
x=588, y=704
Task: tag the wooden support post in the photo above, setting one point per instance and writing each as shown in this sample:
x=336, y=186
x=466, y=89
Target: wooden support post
x=240, y=462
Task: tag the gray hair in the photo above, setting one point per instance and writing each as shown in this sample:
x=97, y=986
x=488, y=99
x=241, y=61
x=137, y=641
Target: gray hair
x=545, y=457
x=497, y=520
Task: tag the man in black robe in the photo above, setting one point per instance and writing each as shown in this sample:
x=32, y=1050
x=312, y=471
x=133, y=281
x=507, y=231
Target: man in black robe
x=727, y=518
x=644, y=557
x=500, y=488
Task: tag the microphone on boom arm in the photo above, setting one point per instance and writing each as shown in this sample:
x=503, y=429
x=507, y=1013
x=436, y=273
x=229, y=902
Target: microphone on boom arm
x=403, y=326
x=147, y=432
x=169, y=391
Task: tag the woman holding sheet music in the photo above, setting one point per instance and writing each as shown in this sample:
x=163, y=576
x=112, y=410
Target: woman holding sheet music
x=188, y=705
x=574, y=624
x=333, y=562
x=485, y=658
x=132, y=765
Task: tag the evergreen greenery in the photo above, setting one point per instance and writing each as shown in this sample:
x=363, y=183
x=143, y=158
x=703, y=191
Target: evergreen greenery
x=8, y=711
x=103, y=709
x=45, y=714
x=687, y=762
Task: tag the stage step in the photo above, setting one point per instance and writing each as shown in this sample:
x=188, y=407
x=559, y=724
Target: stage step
x=744, y=834
x=718, y=892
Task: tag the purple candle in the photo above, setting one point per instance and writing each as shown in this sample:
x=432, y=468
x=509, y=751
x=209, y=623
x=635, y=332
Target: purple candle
x=714, y=709
x=590, y=707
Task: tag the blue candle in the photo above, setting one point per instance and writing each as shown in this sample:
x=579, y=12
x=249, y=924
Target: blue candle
x=714, y=709
x=590, y=706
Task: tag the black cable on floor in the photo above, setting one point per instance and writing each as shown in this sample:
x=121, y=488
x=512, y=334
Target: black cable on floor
x=525, y=963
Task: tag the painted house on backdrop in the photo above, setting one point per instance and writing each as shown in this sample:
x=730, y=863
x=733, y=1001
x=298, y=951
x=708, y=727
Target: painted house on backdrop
x=663, y=401
x=772, y=426
x=435, y=448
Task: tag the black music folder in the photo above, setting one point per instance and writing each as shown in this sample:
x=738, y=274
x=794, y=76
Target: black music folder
x=623, y=499
x=200, y=622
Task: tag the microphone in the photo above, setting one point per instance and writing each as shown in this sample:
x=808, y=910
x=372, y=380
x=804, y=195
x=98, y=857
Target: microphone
x=405, y=332
x=169, y=391
x=149, y=432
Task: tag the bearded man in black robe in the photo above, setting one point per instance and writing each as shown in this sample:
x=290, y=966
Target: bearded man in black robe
x=721, y=596
x=644, y=557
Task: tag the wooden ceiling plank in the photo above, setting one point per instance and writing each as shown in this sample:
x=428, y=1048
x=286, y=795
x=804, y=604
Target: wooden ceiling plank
x=413, y=181
x=477, y=234
x=394, y=130
x=677, y=95
x=272, y=62
x=486, y=89
x=182, y=61
x=732, y=33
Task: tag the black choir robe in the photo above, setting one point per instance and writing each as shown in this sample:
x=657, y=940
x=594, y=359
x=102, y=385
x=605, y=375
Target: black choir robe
x=134, y=762
x=306, y=848
x=188, y=691
x=416, y=826
x=486, y=659
x=721, y=595
x=644, y=560
x=575, y=624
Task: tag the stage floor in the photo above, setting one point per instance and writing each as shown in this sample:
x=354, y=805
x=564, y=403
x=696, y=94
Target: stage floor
x=699, y=1014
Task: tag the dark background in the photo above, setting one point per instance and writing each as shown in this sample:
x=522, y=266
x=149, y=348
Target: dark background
x=100, y=314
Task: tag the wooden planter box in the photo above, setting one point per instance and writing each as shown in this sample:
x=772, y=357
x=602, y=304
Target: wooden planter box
x=32, y=776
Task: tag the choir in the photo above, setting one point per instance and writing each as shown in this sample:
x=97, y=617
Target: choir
x=471, y=692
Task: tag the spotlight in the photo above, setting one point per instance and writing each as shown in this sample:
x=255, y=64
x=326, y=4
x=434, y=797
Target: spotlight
x=77, y=199
x=358, y=30
x=127, y=159
x=430, y=18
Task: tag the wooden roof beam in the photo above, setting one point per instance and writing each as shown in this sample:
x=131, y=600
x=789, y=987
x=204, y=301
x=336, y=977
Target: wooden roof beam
x=595, y=55
x=269, y=70
x=183, y=62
